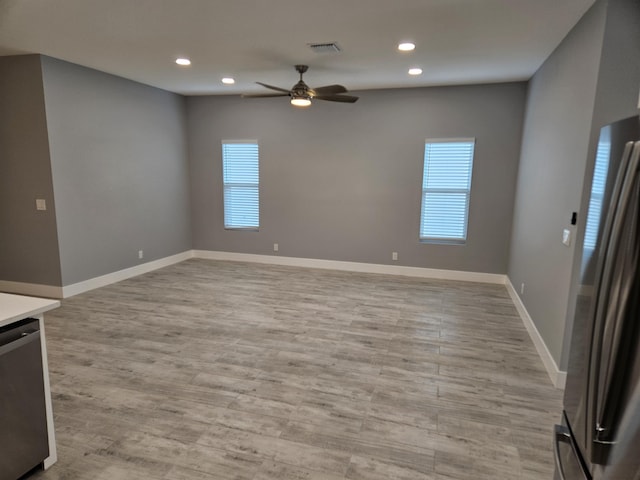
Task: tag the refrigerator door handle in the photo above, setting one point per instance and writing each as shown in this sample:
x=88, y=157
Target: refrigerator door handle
x=563, y=435
x=618, y=269
x=602, y=270
x=602, y=285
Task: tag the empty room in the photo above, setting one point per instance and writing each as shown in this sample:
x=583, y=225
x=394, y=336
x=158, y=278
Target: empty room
x=319, y=240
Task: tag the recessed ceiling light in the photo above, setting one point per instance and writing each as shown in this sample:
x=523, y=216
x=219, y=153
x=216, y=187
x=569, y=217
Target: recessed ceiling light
x=183, y=61
x=228, y=81
x=415, y=71
x=406, y=46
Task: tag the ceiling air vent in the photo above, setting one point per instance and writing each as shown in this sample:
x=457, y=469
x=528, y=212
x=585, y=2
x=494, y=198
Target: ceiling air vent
x=325, y=47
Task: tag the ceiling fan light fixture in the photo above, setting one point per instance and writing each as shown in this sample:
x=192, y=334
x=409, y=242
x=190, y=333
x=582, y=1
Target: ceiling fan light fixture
x=300, y=101
x=406, y=46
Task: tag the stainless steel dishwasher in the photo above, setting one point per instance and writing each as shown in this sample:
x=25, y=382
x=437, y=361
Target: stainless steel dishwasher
x=23, y=423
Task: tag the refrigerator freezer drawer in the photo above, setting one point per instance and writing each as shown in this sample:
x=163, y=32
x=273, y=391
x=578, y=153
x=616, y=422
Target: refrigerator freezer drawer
x=568, y=463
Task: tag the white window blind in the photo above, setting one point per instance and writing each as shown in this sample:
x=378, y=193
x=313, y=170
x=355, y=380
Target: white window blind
x=241, y=180
x=597, y=194
x=446, y=186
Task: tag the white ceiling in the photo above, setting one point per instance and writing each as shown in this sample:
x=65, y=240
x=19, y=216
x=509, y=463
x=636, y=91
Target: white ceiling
x=458, y=41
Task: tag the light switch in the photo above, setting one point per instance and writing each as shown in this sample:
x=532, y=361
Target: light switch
x=566, y=237
x=41, y=204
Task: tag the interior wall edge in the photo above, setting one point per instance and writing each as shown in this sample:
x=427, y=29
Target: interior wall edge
x=557, y=376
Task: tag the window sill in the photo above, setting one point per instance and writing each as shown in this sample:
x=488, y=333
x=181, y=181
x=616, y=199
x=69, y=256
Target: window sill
x=243, y=229
x=440, y=241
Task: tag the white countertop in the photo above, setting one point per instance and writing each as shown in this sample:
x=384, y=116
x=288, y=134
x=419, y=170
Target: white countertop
x=18, y=307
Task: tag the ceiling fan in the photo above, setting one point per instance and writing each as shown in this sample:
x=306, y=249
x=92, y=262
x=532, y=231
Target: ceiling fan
x=301, y=94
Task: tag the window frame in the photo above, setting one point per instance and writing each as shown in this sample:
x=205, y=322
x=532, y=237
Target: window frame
x=439, y=240
x=226, y=185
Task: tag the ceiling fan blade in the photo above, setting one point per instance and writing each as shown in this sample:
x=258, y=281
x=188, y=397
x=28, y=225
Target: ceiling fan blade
x=264, y=95
x=278, y=89
x=337, y=98
x=330, y=90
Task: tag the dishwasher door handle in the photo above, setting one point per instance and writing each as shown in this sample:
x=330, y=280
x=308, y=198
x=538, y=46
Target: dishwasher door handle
x=25, y=339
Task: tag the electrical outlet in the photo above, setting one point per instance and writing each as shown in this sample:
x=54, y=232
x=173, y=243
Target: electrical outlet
x=275, y=247
x=522, y=289
x=394, y=255
x=140, y=254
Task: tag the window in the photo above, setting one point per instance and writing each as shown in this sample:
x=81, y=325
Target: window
x=446, y=185
x=241, y=182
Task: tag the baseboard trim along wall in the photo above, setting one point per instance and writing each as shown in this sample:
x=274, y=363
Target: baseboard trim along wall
x=32, y=289
x=558, y=377
x=354, y=266
x=109, y=278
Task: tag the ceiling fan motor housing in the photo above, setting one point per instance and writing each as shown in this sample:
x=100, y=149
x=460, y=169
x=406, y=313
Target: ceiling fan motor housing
x=301, y=89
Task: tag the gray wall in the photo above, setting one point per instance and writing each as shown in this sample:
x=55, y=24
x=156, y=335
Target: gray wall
x=343, y=182
x=619, y=76
x=28, y=238
x=120, y=170
x=617, y=95
x=555, y=143
x=591, y=79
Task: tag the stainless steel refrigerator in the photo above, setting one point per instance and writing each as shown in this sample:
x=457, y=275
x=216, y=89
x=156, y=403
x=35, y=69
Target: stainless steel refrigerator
x=599, y=436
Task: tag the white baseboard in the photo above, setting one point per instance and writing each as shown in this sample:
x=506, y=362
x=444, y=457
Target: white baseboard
x=558, y=377
x=109, y=278
x=561, y=379
x=354, y=266
x=32, y=289
x=104, y=280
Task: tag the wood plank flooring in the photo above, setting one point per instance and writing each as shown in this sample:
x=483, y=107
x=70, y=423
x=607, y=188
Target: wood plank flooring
x=225, y=370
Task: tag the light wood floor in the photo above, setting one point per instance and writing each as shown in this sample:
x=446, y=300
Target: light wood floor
x=222, y=370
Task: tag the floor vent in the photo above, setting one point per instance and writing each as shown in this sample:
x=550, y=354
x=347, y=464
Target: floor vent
x=325, y=47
